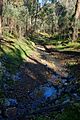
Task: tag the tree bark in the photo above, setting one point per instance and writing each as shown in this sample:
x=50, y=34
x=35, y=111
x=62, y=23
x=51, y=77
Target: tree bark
x=0, y=25
x=1, y=9
x=76, y=17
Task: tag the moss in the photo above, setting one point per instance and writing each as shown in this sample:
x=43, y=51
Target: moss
x=14, y=51
x=69, y=46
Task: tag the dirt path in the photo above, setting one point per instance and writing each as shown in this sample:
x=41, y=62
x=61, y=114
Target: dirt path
x=39, y=67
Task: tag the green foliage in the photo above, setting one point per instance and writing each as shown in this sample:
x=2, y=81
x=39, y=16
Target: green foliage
x=70, y=113
x=16, y=16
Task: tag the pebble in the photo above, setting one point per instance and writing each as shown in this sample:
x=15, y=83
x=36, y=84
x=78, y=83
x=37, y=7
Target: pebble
x=16, y=77
x=66, y=101
x=11, y=113
x=10, y=102
x=76, y=96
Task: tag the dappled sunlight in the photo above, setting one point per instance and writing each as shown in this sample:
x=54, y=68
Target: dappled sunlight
x=44, y=34
x=10, y=46
x=39, y=60
x=39, y=76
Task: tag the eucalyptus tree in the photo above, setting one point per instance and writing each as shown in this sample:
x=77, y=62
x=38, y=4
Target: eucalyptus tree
x=1, y=10
x=15, y=17
x=76, y=18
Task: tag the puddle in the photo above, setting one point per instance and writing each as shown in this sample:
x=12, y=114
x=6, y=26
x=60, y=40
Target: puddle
x=49, y=91
x=41, y=94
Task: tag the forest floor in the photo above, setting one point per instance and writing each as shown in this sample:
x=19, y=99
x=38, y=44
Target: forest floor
x=39, y=68
x=43, y=62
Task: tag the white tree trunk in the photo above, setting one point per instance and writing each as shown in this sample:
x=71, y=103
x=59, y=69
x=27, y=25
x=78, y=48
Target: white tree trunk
x=0, y=27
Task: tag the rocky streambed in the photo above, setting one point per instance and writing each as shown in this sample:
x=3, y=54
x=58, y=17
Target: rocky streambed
x=24, y=99
x=47, y=97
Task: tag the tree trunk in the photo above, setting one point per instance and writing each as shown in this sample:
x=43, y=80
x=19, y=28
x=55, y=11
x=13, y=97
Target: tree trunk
x=37, y=5
x=1, y=9
x=76, y=17
x=52, y=28
x=0, y=25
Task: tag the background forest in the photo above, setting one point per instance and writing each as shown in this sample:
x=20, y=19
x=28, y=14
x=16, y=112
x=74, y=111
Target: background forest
x=56, y=17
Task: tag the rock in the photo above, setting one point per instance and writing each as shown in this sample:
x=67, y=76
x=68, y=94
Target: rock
x=10, y=102
x=7, y=74
x=55, y=79
x=6, y=86
x=65, y=74
x=11, y=113
x=48, y=84
x=76, y=96
x=66, y=101
x=16, y=77
x=0, y=64
x=63, y=81
x=57, y=102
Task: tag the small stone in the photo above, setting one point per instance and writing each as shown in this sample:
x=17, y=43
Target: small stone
x=11, y=113
x=16, y=77
x=55, y=79
x=6, y=87
x=0, y=64
x=65, y=83
x=66, y=101
x=10, y=102
x=57, y=102
x=77, y=97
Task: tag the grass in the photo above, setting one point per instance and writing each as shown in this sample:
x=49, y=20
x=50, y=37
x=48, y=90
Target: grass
x=70, y=113
x=69, y=46
x=14, y=51
x=59, y=44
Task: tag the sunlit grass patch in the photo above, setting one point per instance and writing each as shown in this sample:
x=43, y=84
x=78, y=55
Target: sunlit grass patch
x=69, y=46
x=14, y=51
x=45, y=34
